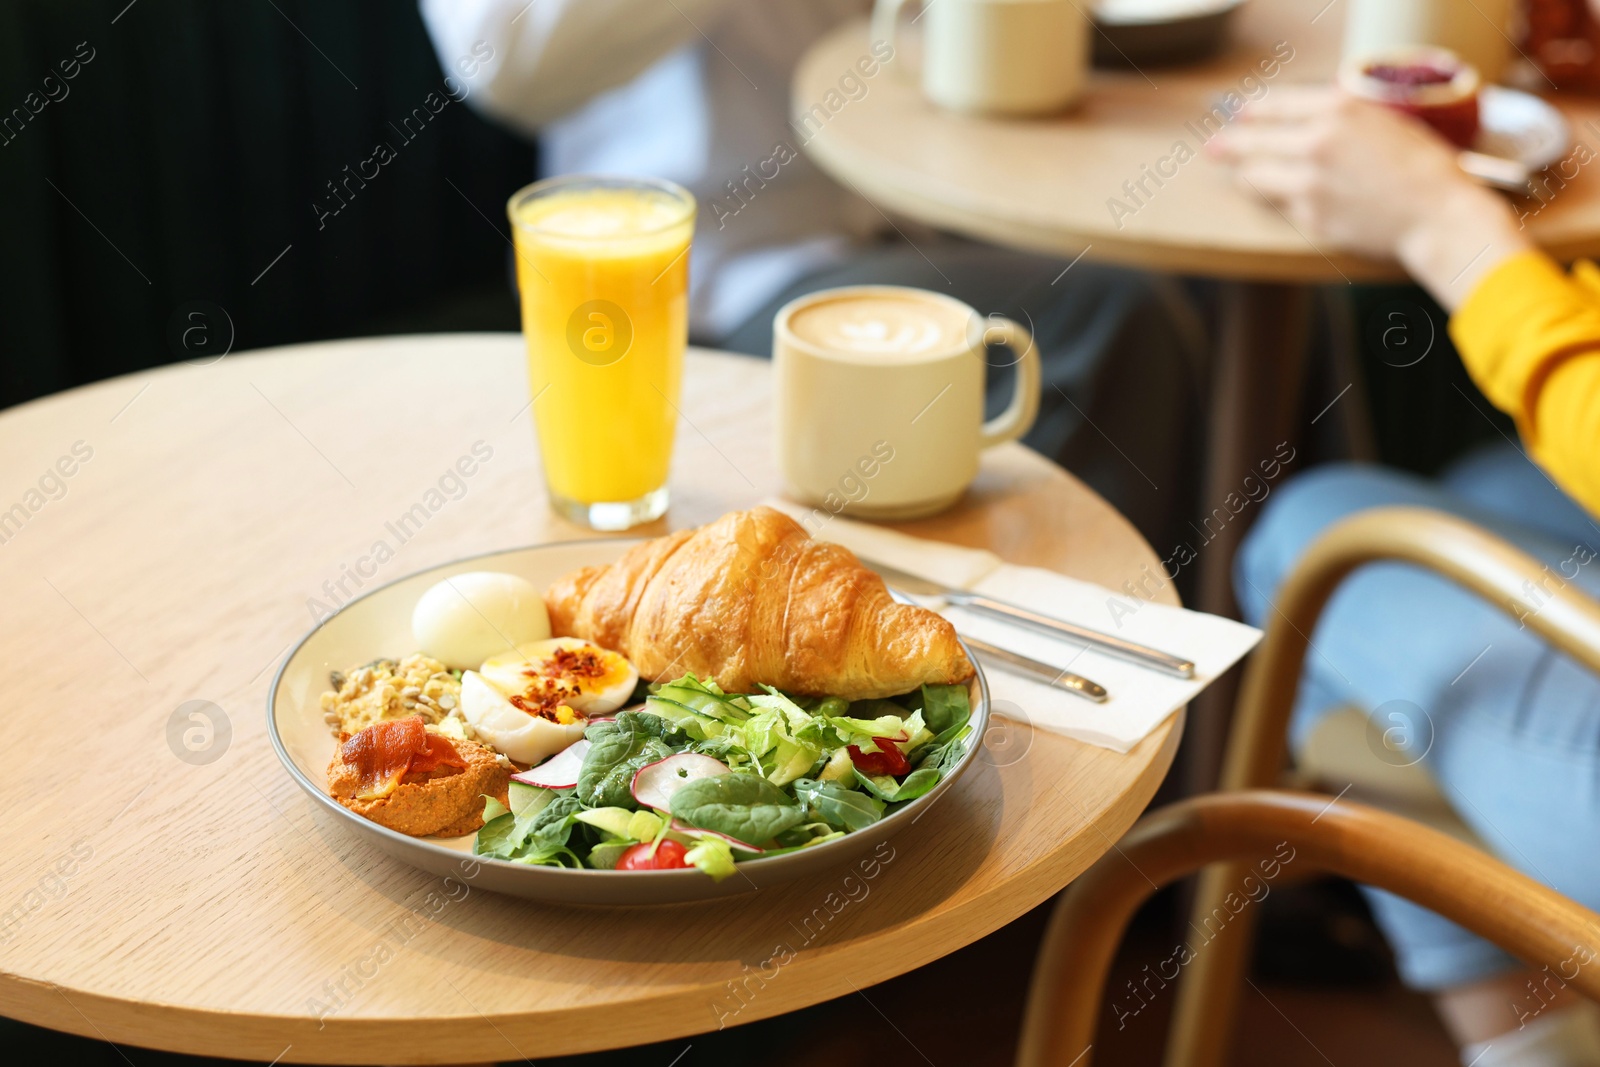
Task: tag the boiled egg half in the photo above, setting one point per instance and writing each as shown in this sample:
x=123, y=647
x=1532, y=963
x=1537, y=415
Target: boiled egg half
x=568, y=670
x=526, y=738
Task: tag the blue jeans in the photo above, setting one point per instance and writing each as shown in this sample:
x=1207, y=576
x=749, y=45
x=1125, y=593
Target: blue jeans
x=1515, y=724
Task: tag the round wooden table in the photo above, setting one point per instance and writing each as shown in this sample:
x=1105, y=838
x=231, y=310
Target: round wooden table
x=203, y=904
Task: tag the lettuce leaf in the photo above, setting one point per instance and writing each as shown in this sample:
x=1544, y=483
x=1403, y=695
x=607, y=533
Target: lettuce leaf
x=711, y=856
x=704, y=698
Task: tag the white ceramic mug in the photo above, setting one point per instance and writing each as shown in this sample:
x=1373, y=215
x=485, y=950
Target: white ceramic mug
x=1003, y=57
x=880, y=393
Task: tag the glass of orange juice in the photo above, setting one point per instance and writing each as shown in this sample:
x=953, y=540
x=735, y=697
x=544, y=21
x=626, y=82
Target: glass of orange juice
x=603, y=270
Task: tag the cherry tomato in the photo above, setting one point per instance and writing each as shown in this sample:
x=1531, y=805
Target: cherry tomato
x=669, y=855
x=887, y=760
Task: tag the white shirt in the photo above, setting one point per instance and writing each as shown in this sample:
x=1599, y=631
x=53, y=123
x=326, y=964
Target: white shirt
x=695, y=91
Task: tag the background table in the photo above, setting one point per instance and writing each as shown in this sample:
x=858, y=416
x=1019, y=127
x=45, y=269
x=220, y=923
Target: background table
x=1046, y=185
x=209, y=907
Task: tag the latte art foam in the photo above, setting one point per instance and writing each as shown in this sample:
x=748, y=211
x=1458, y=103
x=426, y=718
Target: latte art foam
x=876, y=325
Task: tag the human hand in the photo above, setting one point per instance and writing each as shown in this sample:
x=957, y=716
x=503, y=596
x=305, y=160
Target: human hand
x=1358, y=177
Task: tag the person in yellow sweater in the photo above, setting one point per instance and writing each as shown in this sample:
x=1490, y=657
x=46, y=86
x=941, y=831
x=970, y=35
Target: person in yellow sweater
x=1515, y=724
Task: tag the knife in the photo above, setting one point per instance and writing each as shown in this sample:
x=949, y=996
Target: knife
x=1076, y=684
x=912, y=585
x=1497, y=171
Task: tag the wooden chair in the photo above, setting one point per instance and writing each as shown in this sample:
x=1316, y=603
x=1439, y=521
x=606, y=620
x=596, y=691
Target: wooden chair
x=1457, y=550
x=1291, y=831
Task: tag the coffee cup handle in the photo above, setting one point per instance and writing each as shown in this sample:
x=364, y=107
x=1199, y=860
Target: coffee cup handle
x=1017, y=418
x=885, y=26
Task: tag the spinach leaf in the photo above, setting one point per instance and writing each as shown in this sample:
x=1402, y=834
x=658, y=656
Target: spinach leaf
x=945, y=707
x=604, y=857
x=608, y=781
x=550, y=828
x=840, y=807
x=944, y=752
x=637, y=723
x=616, y=752
x=945, y=714
x=746, y=807
x=917, y=783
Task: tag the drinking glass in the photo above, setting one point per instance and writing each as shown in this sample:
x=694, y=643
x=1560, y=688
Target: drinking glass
x=603, y=270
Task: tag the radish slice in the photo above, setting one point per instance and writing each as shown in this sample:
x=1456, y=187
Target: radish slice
x=559, y=771
x=679, y=826
x=654, y=783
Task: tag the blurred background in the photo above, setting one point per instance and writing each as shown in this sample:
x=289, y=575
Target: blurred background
x=182, y=165
x=195, y=164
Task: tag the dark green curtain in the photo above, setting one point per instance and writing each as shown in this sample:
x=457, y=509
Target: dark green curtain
x=186, y=155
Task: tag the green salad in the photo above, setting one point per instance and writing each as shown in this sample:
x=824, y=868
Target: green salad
x=702, y=778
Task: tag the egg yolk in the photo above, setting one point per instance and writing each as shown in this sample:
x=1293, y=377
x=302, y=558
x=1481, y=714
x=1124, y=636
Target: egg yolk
x=545, y=703
x=576, y=672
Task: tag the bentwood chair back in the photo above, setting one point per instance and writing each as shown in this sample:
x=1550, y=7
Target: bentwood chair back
x=1271, y=831
x=1451, y=547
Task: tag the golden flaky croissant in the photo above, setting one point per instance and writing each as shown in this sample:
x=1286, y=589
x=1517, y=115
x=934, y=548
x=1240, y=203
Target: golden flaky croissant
x=752, y=599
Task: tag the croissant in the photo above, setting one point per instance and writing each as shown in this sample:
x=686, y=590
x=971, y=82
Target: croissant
x=753, y=599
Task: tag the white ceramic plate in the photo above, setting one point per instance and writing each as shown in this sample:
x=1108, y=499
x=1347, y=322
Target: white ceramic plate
x=379, y=624
x=1520, y=126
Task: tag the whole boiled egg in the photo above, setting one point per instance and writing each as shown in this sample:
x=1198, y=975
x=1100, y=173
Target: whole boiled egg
x=468, y=618
x=525, y=737
x=569, y=670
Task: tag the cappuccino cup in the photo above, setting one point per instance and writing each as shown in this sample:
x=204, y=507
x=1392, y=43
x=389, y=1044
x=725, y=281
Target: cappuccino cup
x=880, y=392
x=998, y=57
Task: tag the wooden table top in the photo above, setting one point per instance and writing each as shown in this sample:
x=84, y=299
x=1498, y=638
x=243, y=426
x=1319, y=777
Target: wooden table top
x=1047, y=184
x=211, y=907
